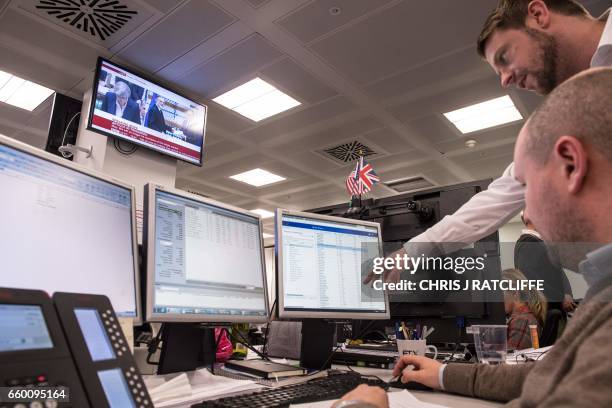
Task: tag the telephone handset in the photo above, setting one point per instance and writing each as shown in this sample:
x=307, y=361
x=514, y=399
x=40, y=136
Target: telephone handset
x=75, y=337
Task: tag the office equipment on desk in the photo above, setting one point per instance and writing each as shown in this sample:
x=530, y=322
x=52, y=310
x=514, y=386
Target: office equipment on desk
x=74, y=342
x=416, y=348
x=79, y=226
x=404, y=216
x=205, y=267
x=410, y=385
x=364, y=359
x=333, y=386
x=337, y=251
x=100, y=351
x=265, y=369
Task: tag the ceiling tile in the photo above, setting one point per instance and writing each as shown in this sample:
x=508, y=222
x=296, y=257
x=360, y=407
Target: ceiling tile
x=191, y=24
x=294, y=80
x=401, y=37
x=300, y=118
x=162, y=5
x=221, y=73
x=257, y=3
x=458, y=97
x=17, y=28
x=447, y=70
x=300, y=22
x=223, y=118
x=387, y=140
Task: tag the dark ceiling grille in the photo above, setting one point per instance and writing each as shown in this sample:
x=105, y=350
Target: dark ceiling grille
x=410, y=184
x=347, y=152
x=100, y=18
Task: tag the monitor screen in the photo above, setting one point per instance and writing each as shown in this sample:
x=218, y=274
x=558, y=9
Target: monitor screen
x=23, y=327
x=205, y=260
x=322, y=263
x=65, y=229
x=130, y=107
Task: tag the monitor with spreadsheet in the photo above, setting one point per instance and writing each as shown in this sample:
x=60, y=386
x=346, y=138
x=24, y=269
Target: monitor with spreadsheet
x=321, y=262
x=205, y=260
x=66, y=228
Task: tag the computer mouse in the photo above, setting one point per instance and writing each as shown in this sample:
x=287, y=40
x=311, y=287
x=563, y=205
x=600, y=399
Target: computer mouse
x=410, y=385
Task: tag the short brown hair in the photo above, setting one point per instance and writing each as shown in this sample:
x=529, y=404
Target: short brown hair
x=512, y=14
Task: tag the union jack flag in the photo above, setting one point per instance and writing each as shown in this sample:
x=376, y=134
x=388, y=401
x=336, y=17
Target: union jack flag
x=361, y=180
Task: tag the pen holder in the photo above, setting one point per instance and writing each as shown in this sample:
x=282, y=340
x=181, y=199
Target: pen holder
x=415, y=347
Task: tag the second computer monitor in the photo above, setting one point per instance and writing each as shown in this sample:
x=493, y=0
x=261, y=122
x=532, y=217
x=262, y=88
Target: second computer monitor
x=321, y=264
x=205, y=260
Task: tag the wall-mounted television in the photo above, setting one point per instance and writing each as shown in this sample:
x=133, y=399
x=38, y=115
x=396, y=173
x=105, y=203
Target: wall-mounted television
x=128, y=106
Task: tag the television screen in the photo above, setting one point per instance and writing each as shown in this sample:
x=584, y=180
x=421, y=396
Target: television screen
x=127, y=106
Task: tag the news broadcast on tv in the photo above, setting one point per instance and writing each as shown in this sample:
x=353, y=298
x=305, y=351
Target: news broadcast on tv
x=132, y=108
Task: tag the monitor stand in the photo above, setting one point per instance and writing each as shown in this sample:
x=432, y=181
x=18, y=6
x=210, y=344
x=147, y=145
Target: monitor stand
x=186, y=347
x=318, y=342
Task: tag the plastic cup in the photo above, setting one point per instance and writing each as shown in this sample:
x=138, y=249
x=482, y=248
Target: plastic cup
x=491, y=343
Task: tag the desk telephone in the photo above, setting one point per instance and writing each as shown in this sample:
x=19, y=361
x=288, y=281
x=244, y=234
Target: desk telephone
x=72, y=342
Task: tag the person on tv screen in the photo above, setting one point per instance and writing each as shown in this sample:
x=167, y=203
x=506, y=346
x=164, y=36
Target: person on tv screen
x=155, y=118
x=117, y=102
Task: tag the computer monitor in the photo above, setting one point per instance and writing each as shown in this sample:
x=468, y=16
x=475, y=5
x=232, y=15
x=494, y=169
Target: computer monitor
x=205, y=260
x=66, y=228
x=321, y=264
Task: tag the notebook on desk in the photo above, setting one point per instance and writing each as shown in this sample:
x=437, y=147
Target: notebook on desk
x=265, y=369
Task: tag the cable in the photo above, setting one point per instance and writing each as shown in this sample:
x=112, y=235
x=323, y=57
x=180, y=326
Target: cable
x=154, y=346
x=265, y=342
x=66, y=155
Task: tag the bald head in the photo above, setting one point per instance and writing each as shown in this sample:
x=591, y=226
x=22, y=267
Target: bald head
x=580, y=107
x=564, y=157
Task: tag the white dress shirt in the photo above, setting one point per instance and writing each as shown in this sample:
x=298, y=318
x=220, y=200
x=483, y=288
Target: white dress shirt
x=505, y=197
x=119, y=110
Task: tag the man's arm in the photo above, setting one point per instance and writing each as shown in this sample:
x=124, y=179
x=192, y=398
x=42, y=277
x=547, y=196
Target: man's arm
x=502, y=382
x=479, y=217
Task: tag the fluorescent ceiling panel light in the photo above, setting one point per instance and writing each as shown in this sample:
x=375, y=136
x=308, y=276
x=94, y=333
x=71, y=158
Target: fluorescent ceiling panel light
x=263, y=213
x=258, y=177
x=484, y=115
x=21, y=93
x=257, y=100
x=266, y=235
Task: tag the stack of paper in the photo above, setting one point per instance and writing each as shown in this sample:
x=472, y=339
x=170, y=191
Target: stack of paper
x=195, y=386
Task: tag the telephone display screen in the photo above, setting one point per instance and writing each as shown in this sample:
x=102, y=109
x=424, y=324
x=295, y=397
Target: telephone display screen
x=97, y=341
x=115, y=388
x=23, y=327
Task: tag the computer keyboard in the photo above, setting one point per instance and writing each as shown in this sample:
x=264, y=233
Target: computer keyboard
x=319, y=389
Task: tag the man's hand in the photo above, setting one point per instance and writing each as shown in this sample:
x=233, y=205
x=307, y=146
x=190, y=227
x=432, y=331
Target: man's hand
x=389, y=275
x=371, y=395
x=568, y=303
x=425, y=370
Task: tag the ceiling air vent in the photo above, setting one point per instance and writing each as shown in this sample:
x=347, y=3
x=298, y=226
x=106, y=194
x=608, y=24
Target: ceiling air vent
x=99, y=18
x=409, y=184
x=348, y=152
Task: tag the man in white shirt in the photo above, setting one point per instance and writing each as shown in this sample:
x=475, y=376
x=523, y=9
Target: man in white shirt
x=533, y=45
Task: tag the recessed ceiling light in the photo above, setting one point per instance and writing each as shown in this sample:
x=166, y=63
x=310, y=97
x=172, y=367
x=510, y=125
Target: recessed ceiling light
x=257, y=100
x=484, y=115
x=258, y=177
x=263, y=213
x=22, y=93
x=266, y=235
